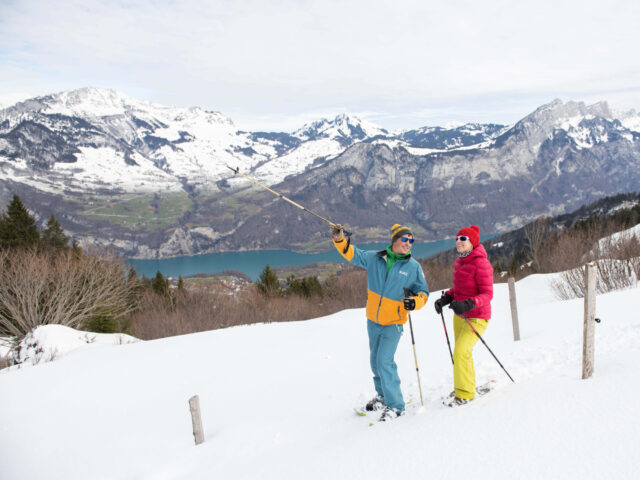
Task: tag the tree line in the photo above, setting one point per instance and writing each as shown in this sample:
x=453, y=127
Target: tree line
x=18, y=229
x=46, y=278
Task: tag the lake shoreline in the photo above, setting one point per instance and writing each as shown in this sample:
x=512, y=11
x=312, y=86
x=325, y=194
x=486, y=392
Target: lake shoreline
x=252, y=262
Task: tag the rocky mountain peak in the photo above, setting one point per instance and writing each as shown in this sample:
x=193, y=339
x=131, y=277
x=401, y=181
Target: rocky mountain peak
x=543, y=123
x=557, y=111
x=344, y=126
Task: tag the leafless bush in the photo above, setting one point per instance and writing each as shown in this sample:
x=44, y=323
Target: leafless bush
x=612, y=275
x=198, y=311
x=535, y=233
x=40, y=288
x=565, y=252
x=617, y=274
x=619, y=246
x=617, y=258
x=570, y=284
x=438, y=274
x=348, y=290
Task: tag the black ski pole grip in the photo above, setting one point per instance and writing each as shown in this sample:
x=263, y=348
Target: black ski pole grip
x=408, y=292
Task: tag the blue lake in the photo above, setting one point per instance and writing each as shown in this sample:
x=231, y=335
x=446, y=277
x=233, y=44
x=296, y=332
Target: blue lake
x=253, y=262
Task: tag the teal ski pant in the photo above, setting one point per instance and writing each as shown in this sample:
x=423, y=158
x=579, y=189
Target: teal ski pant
x=383, y=341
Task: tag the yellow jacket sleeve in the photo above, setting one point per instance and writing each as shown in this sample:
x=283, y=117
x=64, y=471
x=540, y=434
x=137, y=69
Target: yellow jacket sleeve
x=421, y=300
x=344, y=248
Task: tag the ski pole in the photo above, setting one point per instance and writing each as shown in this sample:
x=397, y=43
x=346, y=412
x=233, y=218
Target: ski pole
x=446, y=334
x=409, y=293
x=485, y=344
x=237, y=171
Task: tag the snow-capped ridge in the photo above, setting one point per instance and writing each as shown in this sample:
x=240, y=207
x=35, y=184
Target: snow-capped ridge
x=343, y=125
x=585, y=125
x=102, y=141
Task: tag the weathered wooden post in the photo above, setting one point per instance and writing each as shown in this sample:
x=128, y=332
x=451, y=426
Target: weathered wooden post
x=196, y=419
x=514, y=309
x=588, y=331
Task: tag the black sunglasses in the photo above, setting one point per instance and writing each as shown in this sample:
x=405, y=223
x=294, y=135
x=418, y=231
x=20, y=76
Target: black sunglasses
x=407, y=239
x=462, y=238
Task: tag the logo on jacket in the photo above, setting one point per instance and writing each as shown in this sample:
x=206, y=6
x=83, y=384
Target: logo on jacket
x=403, y=273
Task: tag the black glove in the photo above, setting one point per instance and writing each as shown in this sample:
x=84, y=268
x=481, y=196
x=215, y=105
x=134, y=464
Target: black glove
x=461, y=307
x=443, y=301
x=409, y=303
x=337, y=231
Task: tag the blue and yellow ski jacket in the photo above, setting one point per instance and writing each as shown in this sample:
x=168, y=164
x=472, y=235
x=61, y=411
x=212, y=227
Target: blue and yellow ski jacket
x=385, y=292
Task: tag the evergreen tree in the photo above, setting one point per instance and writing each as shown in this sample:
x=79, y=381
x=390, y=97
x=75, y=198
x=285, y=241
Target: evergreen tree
x=132, y=276
x=268, y=283
x=53, y=235
x=17, y=227
x=304, y=287
x=180, y=284
x=102, y=323
x=160, y=285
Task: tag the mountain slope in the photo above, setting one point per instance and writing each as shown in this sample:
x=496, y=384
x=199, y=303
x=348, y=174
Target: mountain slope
x=558, y=158
x=151, y=181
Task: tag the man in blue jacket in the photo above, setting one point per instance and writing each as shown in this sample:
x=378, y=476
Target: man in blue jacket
x=388, y=273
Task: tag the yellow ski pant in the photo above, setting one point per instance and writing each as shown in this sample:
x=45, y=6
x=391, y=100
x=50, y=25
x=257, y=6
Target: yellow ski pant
x=464, y=375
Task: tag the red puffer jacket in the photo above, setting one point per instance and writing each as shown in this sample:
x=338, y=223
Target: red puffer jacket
x=473, y=278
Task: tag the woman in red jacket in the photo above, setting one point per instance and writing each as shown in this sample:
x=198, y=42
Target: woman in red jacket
x=470, y=296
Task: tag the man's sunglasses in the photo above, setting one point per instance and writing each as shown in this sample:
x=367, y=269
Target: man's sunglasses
x=407, y=239
x=462, y=238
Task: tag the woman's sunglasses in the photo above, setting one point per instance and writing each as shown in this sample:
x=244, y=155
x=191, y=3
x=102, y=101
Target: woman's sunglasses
x=462, y=238
x=407, y=239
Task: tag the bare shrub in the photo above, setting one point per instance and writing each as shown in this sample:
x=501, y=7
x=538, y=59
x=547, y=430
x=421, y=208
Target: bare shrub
x=570, y=284
x=617, y=258
x=201, y=310
x=612, y=275
x=535, y=233
x=439, y=275
x=198, y=311
x=41, y=288
x=617, y=274
x=620, y=246
x=348, y=290
x=564, y=252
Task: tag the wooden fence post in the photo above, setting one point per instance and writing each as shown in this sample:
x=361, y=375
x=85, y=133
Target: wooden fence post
x=196, y=419
x=514, y=309
x=588, y=332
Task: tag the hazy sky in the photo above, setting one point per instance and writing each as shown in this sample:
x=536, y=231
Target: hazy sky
x=272, y=65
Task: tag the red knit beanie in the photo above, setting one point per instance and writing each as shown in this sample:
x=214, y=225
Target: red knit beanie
x=473, y=232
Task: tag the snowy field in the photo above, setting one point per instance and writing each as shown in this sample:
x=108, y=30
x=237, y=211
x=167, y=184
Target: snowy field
x=277, y=402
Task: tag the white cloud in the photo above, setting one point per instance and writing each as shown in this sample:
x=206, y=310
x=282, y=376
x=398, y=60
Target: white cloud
x=283, y=59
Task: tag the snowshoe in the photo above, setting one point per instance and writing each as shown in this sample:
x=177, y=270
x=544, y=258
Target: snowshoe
x=389, y=414
x=376, y=403
x=480, y=391
x=457, y=401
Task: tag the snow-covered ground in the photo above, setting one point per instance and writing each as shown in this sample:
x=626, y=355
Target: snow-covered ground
x=277, y=402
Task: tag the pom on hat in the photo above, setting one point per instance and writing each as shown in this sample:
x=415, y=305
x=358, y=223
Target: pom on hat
x=473, y=232
x=399, y=230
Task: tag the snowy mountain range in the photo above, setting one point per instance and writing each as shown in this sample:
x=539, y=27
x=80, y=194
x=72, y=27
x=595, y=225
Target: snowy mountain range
x=152, y=181
x=91, y=138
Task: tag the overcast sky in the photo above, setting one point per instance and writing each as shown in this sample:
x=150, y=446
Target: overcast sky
x=273, y=65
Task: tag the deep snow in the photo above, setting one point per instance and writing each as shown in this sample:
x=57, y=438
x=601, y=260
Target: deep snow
x=277, y=402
